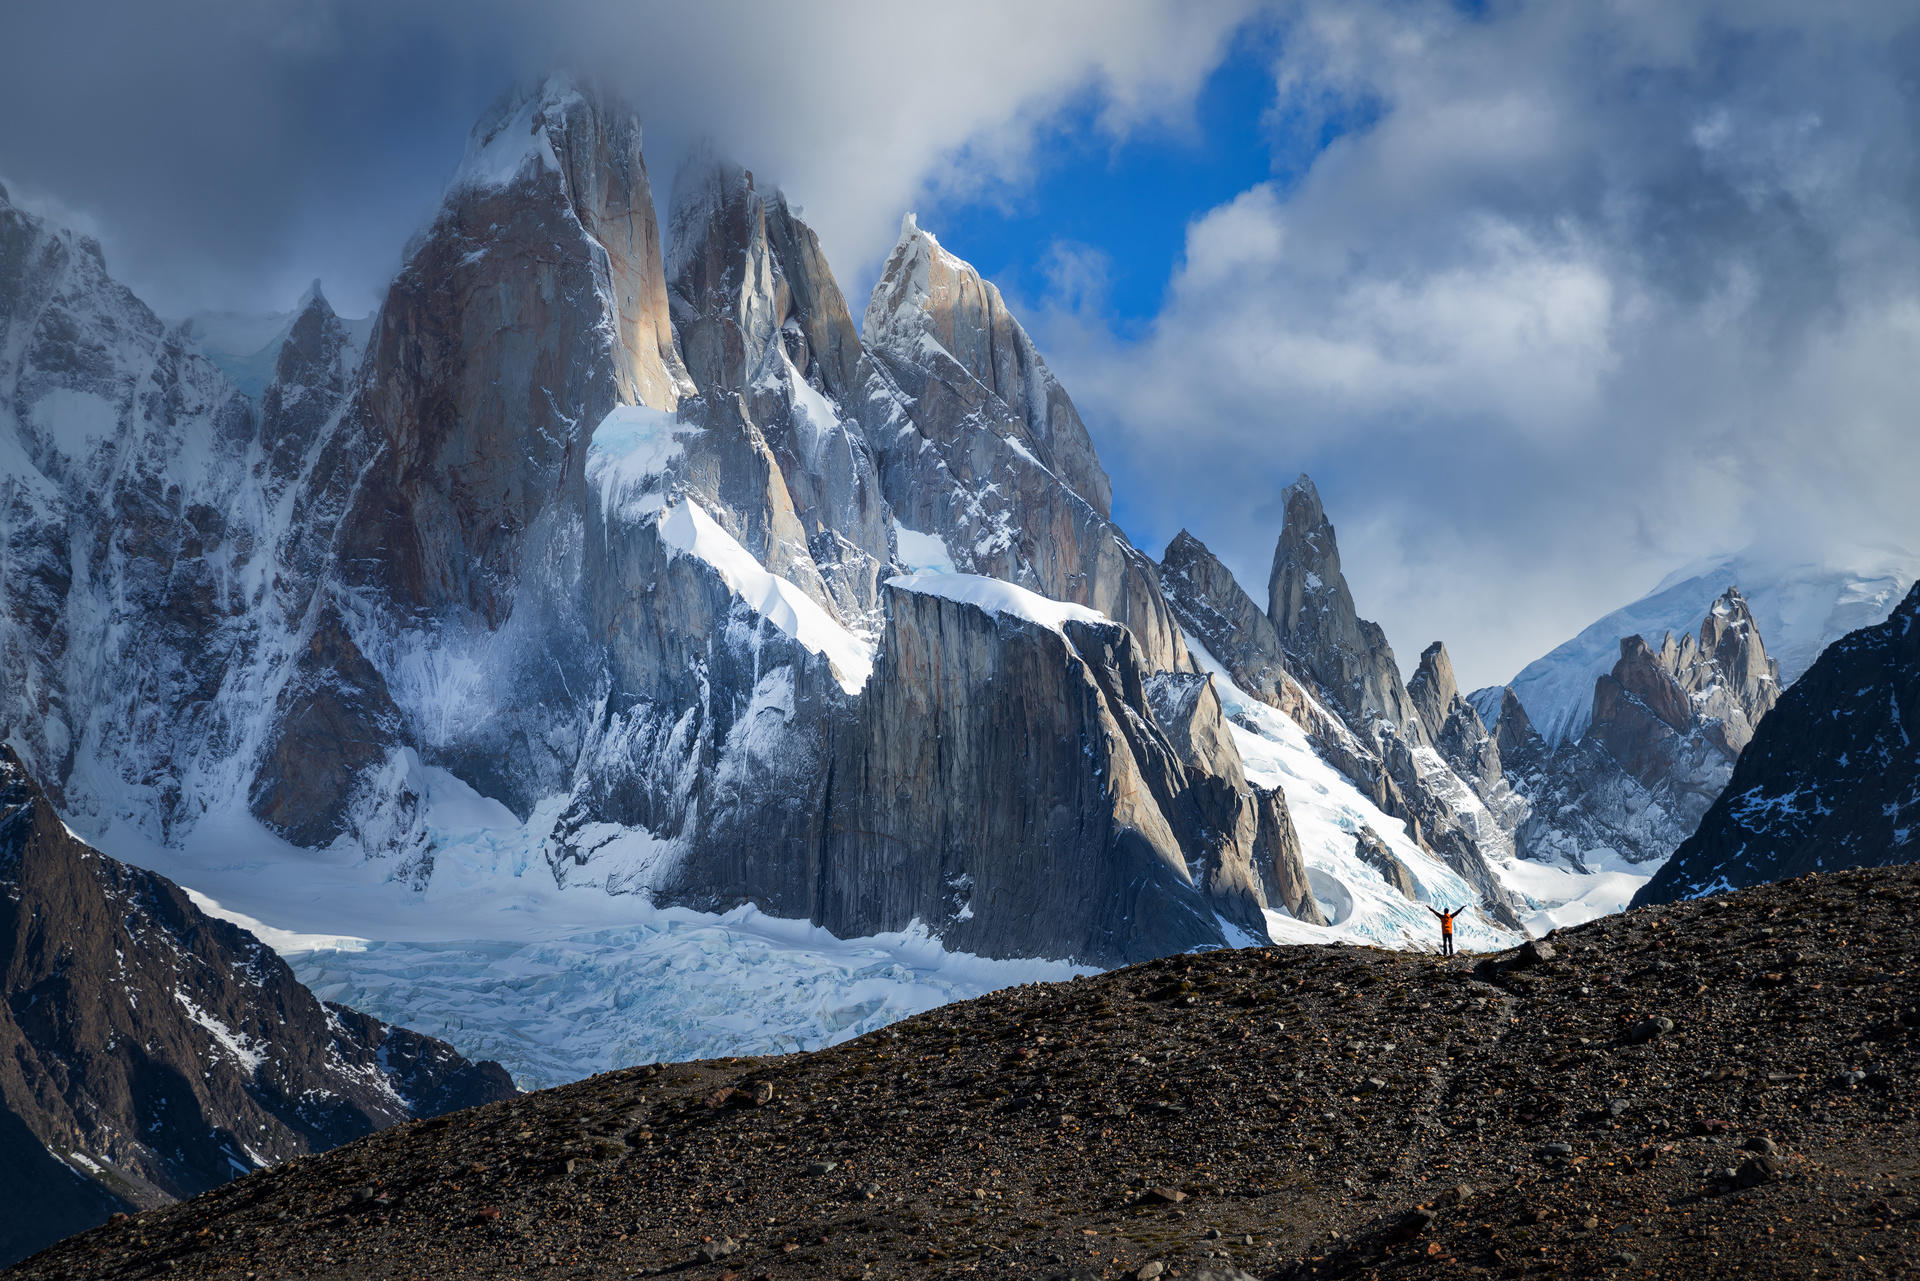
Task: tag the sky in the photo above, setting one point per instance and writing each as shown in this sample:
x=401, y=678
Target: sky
x=1549, y=299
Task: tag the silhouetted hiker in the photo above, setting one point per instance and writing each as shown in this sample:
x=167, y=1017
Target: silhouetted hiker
x=1446, y=928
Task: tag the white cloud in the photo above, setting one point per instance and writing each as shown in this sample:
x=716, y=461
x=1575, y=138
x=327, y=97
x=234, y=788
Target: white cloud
x=1599, y=289
x=232, y=150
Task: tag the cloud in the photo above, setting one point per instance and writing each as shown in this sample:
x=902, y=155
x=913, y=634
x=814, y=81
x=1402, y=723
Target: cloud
x=230, y=150
x=1583, y=292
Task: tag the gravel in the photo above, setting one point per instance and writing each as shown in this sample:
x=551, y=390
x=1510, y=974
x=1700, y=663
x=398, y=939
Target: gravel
x=1217, y=1115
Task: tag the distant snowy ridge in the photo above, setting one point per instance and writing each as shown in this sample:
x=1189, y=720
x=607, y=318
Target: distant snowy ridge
x=1800, y=609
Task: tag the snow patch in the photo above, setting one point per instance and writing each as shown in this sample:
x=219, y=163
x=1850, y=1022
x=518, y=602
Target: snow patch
x=630, y=459
x=922, y=553
x=687, y=528
x=237, y=1044
x=515, y=138
x=997, y=597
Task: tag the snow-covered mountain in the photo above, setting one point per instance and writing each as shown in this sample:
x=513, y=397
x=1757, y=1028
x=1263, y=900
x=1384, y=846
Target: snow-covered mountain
x=1666, y=728
x=610, y=583
x=626, y=566
x=1831, y=779
x=1619, y=740
x=1801, y=607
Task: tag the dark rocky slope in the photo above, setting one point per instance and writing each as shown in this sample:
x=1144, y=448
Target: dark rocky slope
x=1711, y=1089
x=1830, y=780
x=149, y=1052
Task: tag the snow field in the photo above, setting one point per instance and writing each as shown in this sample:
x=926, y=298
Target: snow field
x=678, y=985
x=1327, y=812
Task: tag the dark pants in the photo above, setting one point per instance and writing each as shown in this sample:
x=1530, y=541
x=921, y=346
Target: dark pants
x=1446, y=945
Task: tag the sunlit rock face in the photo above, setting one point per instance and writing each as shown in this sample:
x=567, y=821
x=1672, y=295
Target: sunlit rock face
x=979, y=445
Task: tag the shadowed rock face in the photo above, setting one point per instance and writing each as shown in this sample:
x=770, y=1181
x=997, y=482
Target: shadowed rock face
x=336, y=723
x=149, y=1052
x=1376, y=854
x=1212, y=608
x=1051, y=732
x=1667, y=726
x=1830, y=780
x=311, y=379
x=1278, y=859
x=129, y=562
x=1513, y=732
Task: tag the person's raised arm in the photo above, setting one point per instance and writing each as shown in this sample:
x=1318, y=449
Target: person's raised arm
x=1436, y=915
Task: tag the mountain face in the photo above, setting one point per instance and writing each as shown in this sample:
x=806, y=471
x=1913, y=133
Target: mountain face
x=149, y=1052
x=980, y=447
x=1830, y=780
x=705, y=586
x=1667, y=727
x=132, y=556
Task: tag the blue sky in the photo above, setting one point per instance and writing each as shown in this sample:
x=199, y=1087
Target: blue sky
x=1127, y=200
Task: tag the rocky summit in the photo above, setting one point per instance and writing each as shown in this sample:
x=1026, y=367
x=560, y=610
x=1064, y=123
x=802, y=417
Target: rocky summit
x=1711, y=1089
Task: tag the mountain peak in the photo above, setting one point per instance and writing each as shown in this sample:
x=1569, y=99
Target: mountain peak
x=930, y=304
x=1312, y=608
x=516, y=133
x=1908, y=609
x=509, y=138
x=706, y=184
x=1434, y=690
x=1306, y=490
x=1184, y=544
x=902, y=295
